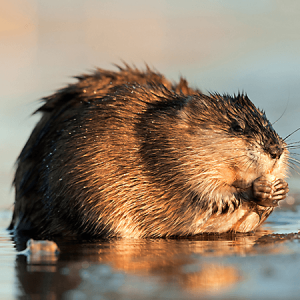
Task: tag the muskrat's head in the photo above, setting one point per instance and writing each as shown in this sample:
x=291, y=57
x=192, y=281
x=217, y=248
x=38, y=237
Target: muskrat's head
x=233, y=141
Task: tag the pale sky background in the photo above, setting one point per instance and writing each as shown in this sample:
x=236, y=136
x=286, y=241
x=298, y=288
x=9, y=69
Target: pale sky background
x=225, y=46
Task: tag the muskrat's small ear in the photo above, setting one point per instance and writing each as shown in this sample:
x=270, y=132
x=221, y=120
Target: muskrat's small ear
x=183, y=87
x=184, y=119
x=186, y=114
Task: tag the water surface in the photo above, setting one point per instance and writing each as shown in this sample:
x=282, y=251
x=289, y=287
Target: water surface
x=261, y=265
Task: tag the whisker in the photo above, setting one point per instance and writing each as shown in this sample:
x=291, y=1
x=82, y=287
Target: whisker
x=291, y=134
x=293, y=147
x=291, y=167
x=298, y=142
x=290, y=164
x=283, y=111
x=294, y=153
x=294, y=160
x=249, y=165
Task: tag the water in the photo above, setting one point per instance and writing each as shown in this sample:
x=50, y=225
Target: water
x=223, y=46
x=261, y=265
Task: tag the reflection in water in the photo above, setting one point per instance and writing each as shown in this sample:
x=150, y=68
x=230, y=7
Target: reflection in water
x=42, y=282
x=211, y=278
x=184, y=268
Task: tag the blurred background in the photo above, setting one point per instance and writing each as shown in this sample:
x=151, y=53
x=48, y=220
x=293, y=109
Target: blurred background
x=225, y=46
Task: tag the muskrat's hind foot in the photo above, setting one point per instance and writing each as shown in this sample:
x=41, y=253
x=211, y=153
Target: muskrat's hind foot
x=267, y=193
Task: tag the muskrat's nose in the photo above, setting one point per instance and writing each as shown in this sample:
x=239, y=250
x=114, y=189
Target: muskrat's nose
x=275, y=151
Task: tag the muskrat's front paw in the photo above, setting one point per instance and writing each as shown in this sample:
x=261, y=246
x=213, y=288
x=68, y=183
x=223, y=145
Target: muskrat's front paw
x=262, y=191
x=281, y=189
x=267, y=193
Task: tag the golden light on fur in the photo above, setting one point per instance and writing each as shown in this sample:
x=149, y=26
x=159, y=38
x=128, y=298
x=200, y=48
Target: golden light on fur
x=130, y=154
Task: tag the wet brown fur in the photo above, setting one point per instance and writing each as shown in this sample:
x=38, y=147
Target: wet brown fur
x=130, y=154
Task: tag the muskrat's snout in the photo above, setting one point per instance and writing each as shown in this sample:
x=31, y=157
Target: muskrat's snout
x=275, y=151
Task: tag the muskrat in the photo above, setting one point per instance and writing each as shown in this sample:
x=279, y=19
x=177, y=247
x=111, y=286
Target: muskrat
x=130, y=154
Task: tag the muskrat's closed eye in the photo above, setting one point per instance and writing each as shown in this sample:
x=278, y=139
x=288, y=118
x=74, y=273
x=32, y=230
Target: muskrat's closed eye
x=238, y=127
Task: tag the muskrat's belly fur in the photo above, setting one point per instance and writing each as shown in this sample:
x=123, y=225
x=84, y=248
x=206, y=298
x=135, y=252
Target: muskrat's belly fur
x=129, y=154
